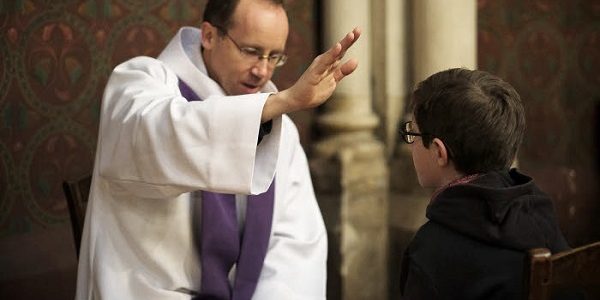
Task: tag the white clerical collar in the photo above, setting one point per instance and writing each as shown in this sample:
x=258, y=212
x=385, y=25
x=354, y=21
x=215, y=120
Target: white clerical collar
x=190, y=44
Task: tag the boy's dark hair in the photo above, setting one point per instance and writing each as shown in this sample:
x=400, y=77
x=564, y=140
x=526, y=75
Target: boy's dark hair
x=478, y=116
x=219, y=12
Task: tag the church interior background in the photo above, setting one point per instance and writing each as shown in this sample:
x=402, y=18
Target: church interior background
x=56, y=55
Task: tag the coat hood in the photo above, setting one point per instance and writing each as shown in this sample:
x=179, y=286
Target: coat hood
x=503, y=208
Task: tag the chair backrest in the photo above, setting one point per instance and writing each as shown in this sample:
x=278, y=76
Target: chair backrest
x=76, y=192
x=576, y=270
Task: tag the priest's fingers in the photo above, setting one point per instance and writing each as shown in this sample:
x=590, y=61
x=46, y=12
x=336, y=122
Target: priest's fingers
x=331, y=68
x=324, y=61
x=349, y=40
x=344, y=70
x=335, y=53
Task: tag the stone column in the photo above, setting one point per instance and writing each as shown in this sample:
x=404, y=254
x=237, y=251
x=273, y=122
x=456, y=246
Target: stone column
x=445, y=36
x=349, y=168
x=348, y=114
x=389, y=63
x=396, y=67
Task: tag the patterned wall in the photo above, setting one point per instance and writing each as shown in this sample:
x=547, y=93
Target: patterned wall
x=55, y=58
x=550, y=51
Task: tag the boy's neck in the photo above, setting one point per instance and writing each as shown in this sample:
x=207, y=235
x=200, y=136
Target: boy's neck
x=459, y=179
x=448, y=175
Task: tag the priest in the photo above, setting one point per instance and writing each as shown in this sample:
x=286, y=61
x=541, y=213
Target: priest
x=201, y=189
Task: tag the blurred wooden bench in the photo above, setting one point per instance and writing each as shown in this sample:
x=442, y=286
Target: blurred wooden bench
x=575, y=271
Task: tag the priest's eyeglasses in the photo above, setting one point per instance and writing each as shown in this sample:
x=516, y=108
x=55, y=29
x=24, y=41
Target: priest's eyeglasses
x=408, y=134
x=253, y=54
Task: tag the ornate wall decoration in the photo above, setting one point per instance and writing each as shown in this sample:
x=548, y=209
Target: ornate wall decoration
x=548, y=49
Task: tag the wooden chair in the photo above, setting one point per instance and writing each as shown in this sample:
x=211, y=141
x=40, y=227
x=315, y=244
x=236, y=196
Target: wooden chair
x=576, y=272
x=77, y=192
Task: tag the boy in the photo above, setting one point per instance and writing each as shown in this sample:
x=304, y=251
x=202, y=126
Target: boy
x=465, y=132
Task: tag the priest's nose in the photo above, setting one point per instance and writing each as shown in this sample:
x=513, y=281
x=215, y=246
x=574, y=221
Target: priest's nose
x=261, y=68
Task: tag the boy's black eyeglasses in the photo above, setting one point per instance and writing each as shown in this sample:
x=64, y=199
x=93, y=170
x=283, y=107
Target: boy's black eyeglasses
x=407, y=134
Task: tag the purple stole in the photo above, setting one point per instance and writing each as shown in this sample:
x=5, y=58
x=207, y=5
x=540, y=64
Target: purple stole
x=221, y=245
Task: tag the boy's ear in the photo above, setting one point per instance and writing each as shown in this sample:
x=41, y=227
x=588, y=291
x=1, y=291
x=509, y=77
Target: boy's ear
x=209, y=35
x=441, y=152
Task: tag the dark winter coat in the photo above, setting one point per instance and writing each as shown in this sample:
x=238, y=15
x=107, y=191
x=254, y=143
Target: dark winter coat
x=475, y=242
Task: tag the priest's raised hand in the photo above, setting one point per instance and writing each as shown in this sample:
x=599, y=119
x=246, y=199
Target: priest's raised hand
x=317, y=83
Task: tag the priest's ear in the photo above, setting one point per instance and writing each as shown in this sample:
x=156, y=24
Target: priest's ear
x=209, y=35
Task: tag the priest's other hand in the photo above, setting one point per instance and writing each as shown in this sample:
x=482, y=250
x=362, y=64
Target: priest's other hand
x=317, y=83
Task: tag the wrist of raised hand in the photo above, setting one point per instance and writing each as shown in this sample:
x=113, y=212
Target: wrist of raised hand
x=276, y=105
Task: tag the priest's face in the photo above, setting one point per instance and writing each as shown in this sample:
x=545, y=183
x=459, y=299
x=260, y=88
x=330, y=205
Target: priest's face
x=243, y=57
